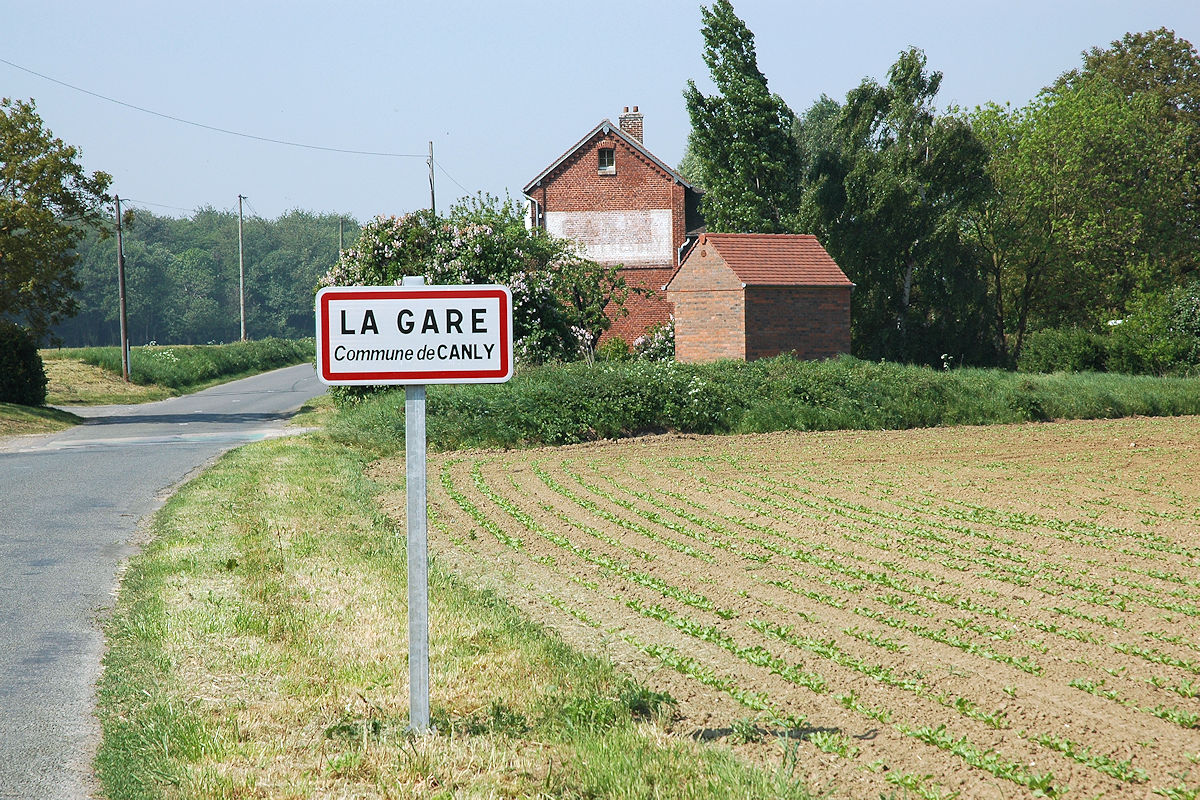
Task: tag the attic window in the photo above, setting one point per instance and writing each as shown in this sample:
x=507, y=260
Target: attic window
x=606, y=161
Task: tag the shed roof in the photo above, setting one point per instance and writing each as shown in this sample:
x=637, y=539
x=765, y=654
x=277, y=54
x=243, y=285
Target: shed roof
x=776, y=259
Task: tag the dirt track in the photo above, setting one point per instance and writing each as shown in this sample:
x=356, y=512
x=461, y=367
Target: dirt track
x=993, y=611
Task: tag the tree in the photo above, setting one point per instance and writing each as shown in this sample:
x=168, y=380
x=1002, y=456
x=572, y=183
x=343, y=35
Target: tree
x=591, y=295
x=45, y=200
x=1156, y=76
x=196, y=295
x=1015, y=226
x=889, y=197
x=1153, y=62
x=284, y=259
x=741, y=137
x=1094, y=200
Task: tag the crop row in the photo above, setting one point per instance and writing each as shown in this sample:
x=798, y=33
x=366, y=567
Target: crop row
x=630, y=531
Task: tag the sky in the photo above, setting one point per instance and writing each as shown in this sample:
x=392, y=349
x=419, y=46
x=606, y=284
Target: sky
x=500, y=89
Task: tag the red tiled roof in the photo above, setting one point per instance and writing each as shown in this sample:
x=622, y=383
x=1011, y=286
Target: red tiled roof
x=776, y=259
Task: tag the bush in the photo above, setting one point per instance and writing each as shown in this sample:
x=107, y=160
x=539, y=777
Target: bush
x=613, y=349
x=1161, y=335
x=567, y=403
x=183, y=367
x=658, y=343
x=22, y=376
x=1062, y=350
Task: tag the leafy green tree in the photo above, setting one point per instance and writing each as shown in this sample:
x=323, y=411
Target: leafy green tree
x=46, y=200
x=741, y=139
x=888, y=197
x=1155, y=77
x=689, y=168
x=1154, y=62
x=196, y=314
x=592, y=296
x=1094, y=200
x=284, y=259
x=1015, y=227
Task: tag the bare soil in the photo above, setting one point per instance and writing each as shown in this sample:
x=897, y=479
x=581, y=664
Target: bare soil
x=999, y=611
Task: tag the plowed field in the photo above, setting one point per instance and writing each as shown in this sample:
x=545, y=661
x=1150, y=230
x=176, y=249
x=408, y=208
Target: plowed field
x=1001, y=612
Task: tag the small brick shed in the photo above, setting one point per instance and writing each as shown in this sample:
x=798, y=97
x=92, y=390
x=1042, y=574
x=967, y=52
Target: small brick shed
x=756, y=295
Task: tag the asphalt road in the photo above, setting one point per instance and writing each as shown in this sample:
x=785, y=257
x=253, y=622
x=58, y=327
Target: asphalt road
x=70, y=504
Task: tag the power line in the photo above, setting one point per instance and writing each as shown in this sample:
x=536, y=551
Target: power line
x=438, y=164
x=212, y=127
x=159, y=205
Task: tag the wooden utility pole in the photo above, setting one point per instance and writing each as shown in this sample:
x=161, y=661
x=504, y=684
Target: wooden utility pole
x=341, y=235
x=432, y=201
x=241, y=270
x=121, y=294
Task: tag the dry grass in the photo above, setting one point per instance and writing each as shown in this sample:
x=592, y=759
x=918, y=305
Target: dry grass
x=76, y=383
x=22, y=420
x=259, y=649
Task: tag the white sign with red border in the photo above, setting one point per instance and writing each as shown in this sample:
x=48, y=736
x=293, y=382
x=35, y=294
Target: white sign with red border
x=414, y=335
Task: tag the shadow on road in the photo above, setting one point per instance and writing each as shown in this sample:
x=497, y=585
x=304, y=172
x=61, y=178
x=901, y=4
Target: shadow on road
x=202, y=417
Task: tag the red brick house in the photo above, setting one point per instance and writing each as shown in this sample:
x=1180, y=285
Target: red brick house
x=624, y=206
x=756, y=295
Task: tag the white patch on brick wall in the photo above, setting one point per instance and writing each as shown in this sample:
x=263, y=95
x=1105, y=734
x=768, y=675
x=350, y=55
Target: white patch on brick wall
x=628, y=237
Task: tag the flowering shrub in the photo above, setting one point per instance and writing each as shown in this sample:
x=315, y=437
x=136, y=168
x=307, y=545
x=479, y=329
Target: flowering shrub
x=658, y=344
x=483, y=240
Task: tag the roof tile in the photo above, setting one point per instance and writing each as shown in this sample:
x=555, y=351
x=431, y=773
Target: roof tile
x=776, y=259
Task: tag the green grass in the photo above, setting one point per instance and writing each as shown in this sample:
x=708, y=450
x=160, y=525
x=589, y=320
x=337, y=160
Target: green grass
x=562, y=404
x=186, y=368
x=258, y=646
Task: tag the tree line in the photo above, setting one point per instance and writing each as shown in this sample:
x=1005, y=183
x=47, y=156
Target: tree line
x=182, y=277
x=967, y=232
x=1065, y=232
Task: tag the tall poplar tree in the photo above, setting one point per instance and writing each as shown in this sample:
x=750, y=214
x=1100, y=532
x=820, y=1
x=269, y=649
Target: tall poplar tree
x=741, y=137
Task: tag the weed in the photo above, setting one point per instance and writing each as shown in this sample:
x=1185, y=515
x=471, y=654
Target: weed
x=745, y=731
x=920, y=785
x=834, y=743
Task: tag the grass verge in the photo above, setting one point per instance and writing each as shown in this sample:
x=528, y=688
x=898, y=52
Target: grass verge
x=179, y=369
x=18, y=420
x=569, y=403
x=72, y=382
x=258, y=648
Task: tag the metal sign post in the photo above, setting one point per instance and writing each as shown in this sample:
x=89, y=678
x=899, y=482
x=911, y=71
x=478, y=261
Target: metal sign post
x=418, y=552
x=412, y=335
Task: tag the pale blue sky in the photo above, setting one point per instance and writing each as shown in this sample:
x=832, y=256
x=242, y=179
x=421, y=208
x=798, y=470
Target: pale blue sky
x=502, y=89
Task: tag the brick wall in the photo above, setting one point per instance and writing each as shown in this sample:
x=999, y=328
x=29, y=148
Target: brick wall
x=812, y=321
x=643, y=312
x=638, y=185
x=710, y=310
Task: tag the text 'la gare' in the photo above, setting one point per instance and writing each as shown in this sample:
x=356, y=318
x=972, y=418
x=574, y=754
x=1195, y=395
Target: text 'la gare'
x=451, y=320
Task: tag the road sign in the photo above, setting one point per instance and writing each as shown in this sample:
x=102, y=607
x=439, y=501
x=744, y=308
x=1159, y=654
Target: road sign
x=414, y=335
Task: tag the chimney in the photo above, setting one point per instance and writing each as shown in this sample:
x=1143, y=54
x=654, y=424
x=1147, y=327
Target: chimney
x=631, y=124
